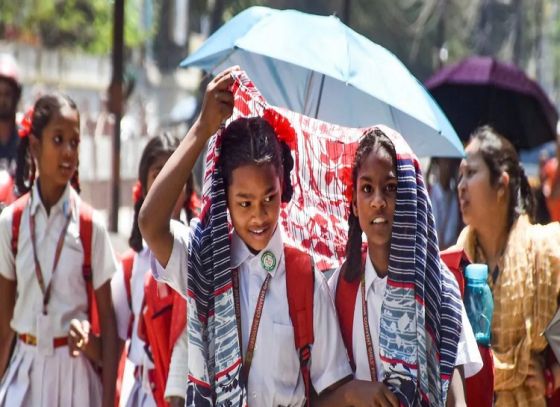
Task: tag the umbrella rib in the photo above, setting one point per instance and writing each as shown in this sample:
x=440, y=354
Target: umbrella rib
x=320, y=95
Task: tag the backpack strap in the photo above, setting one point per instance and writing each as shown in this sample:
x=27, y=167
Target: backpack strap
x=456, y=260
x=18, y=207
x=300, y=284
x=86, y=236
x=345, y=302
x=127, y=262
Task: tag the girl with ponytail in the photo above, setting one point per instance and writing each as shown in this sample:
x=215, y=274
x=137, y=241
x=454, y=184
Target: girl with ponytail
x=523, y=260
x=43, y=253
x=399, y=308
x=137, y=312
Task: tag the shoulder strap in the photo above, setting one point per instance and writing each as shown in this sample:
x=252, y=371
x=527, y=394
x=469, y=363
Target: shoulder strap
x=127, y=262
x=86, y=236
x=456, y=260
x=345, y=302
x=18, y=207
x=300, y=284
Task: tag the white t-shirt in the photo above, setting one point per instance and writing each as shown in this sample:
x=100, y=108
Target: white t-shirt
x=274, y=378
x=467, y=350
x=68, y=293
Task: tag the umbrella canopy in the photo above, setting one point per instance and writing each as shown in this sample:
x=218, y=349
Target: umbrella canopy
x=319, y=67
x=481, y=90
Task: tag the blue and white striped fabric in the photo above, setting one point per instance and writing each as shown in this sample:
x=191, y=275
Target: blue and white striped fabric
x=214, y=349
x=421, y=312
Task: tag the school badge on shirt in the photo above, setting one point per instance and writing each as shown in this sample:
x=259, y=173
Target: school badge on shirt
x=268, y=261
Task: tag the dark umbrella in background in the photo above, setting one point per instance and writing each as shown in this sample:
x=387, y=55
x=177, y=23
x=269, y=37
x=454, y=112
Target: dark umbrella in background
x=481, y=90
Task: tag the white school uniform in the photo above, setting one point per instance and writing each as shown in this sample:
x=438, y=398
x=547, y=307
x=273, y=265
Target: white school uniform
x=467, y=351
x=275, y=377
x=35, y=377
x=141, y=393
x=178, y=368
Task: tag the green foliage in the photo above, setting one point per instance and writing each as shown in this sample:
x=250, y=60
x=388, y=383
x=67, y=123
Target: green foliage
x=83, y=24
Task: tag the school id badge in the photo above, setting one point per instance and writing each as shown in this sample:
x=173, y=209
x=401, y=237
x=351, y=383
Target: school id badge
x=45, y=335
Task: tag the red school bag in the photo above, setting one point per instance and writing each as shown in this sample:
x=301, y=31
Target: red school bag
x=300, y=285
x=479, y=389
x=154, y=327
x=86, y=232
x=162, y=320
x=127, y=261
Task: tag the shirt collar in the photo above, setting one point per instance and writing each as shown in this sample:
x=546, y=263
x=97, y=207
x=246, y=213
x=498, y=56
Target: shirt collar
x=371, y=275
x=267, y=260
x=64, y=204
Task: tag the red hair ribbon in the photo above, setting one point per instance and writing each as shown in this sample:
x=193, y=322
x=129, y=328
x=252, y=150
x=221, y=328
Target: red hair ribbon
x=137, y=192
x=25, y=125
x=282, y=127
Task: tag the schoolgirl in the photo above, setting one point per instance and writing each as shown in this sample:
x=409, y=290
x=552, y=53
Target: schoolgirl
x=399, y=307
x=147, y=321
x=56, y=263
x=147, y=389
x=242, y=341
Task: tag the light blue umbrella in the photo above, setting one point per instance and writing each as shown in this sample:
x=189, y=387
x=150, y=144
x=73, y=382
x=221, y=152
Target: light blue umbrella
x=318, y=66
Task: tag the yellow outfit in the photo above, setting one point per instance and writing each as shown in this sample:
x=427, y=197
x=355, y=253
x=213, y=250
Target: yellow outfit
x=525, y=300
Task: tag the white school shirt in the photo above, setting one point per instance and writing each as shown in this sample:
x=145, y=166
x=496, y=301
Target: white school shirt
x=274, y=378
x=467, y=349
x=141, y=265
x=178, y=368
x=68, y=293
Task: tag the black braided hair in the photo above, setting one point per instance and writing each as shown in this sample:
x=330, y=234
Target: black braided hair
x=253, y=141
x=500, y=156
x=43, y=111
x=162, y=144
x=371, y=141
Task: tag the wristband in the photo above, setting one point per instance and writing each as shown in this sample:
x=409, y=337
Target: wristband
x=549, y=382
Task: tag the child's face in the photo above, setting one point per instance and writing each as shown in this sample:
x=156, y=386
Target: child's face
x=153, y=172
x=254, y=198
x=57, y=149
x=375, y=198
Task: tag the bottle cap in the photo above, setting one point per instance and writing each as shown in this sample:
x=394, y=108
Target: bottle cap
x=476, y=271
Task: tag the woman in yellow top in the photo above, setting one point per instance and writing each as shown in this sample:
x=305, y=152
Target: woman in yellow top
x=523, y=261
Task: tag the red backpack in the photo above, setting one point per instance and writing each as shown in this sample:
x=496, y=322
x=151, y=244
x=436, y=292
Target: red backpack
x=479, y=389
x=86, y=231
x=300, y=285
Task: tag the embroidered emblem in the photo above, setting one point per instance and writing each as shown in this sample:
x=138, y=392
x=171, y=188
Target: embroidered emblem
x=268, y=261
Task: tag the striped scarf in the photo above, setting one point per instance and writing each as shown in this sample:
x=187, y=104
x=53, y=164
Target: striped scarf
x=421, y=312
x=315, y=221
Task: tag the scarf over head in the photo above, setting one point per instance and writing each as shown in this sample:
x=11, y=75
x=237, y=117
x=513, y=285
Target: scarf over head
x=421, y=318
x=421, y=312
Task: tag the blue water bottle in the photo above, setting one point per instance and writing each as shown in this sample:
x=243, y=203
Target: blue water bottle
x=479, y=303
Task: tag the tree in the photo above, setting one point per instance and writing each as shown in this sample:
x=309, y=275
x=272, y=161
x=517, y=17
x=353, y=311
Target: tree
x=83, y=24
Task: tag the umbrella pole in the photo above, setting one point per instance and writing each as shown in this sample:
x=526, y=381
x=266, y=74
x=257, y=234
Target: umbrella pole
x=320, y=94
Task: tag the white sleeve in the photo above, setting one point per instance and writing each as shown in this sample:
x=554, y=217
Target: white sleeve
x=103, y=261
x=178, y=368
x=329, y=360
x=467, y=350
x=120, y=303
x=175, y=273
x=7, y=261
